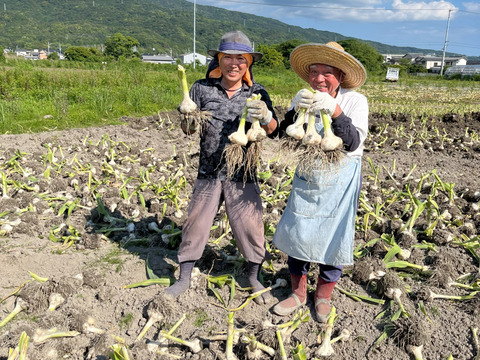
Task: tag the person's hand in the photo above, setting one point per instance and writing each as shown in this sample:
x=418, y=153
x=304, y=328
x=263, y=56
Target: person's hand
x=259, y=110
x=324, y=102
x=303, y=99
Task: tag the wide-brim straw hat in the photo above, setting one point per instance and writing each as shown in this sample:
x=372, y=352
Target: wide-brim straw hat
x=235, y=42
x=332, y=54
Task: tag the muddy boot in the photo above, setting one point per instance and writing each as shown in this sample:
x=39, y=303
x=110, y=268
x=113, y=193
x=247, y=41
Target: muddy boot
x=322, y=299
x=183, y=282
x=253, y=271
x=297, y=298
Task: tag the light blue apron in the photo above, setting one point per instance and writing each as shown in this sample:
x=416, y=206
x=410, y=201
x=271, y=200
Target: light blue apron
x=318, y=224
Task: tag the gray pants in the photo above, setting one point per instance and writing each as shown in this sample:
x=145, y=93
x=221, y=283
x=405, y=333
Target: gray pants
x=244, y=210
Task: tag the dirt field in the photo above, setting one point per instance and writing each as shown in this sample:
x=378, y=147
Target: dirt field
x=51, y=178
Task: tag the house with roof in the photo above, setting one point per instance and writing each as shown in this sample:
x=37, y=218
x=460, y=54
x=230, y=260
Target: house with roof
x=434, y=63
x=188, y=58
x=412, y=56
x=22, y=52
x=158, y=59
x=392, y=58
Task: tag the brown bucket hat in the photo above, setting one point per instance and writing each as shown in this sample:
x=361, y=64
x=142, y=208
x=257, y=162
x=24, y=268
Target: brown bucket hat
x=235, y=42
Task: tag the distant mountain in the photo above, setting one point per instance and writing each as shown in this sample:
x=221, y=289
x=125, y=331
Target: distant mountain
x=163, y=25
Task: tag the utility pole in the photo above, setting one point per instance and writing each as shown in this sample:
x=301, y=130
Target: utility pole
x=194, y=29
x=445, y=44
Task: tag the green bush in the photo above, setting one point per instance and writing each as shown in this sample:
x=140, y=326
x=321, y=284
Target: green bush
x=53, y=56
x=2, y=55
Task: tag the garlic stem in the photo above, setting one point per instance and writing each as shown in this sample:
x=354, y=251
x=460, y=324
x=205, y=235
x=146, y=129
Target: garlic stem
x=416, y=351
x=253, y=344
x=43, y=335
x=311, y=136
x=194, y=345
x=239, y=137
x=187, y=105
x=256, y=132
x=433, y=296
x=330, y=141
x=153, y=317
x=296, y=129
x=19, y=306
x=326, y=348
x=55, y=300
x=395, y=294
x=230, y=333
x=281, y=347
x=344, y=335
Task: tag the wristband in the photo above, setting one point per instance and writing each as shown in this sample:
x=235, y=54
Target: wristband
x=269, y=117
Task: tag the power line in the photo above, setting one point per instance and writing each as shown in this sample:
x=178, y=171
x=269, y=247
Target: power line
x=335, y=8
x=346, y=7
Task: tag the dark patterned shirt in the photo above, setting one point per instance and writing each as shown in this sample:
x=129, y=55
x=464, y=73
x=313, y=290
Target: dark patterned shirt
x=209, y=95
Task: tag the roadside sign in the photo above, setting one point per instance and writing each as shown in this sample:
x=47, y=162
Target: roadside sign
x=392, y=74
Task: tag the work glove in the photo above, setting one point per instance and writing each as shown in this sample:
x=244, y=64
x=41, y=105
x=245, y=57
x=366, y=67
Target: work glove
x=303, y=99
x=258, y=109
x=324, y=102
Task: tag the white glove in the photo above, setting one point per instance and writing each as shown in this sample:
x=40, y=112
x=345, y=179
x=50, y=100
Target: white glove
x=258, y=109
x=303, y=99
x=323, y=101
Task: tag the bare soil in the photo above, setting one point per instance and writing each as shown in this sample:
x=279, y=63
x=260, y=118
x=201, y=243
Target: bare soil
x=90, y=262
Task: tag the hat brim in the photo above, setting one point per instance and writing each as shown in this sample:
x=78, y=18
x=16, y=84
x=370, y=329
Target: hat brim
x=303, y=56
x=256, y=55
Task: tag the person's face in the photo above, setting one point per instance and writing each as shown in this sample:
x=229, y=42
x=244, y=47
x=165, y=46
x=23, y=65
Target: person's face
x=233, y=67
x=325, y=78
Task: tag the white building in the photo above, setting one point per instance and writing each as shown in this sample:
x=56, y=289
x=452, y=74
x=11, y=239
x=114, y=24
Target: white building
x=435, y=62
x=158, y=59
x=392, y=58
x=188, y=58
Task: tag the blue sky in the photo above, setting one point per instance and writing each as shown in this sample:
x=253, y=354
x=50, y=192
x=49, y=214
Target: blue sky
x=421, y=24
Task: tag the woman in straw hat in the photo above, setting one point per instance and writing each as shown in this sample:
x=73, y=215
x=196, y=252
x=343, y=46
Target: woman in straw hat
x=223, y=93
x=318, y=224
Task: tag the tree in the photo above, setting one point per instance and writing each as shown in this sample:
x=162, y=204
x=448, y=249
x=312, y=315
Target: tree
x=2, y=55
x=119, y=45
x=365, y=53
x=53, y=56
x=271, y=57
x=285, y=48
x=80, y=53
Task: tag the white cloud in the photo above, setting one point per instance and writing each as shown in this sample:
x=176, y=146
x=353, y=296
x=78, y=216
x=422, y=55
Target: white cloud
x=345, y=10
x=396, y=11
x=472, y=6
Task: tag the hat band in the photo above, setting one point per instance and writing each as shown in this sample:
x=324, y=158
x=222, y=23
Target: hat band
x=234, y=46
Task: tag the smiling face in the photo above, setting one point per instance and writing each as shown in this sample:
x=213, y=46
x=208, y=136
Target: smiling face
x=325, y=78
x=233, y=67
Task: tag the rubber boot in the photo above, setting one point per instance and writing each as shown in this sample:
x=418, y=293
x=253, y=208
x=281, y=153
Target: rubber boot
x=183, y=282
x=322, y=299
x=297, y=298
